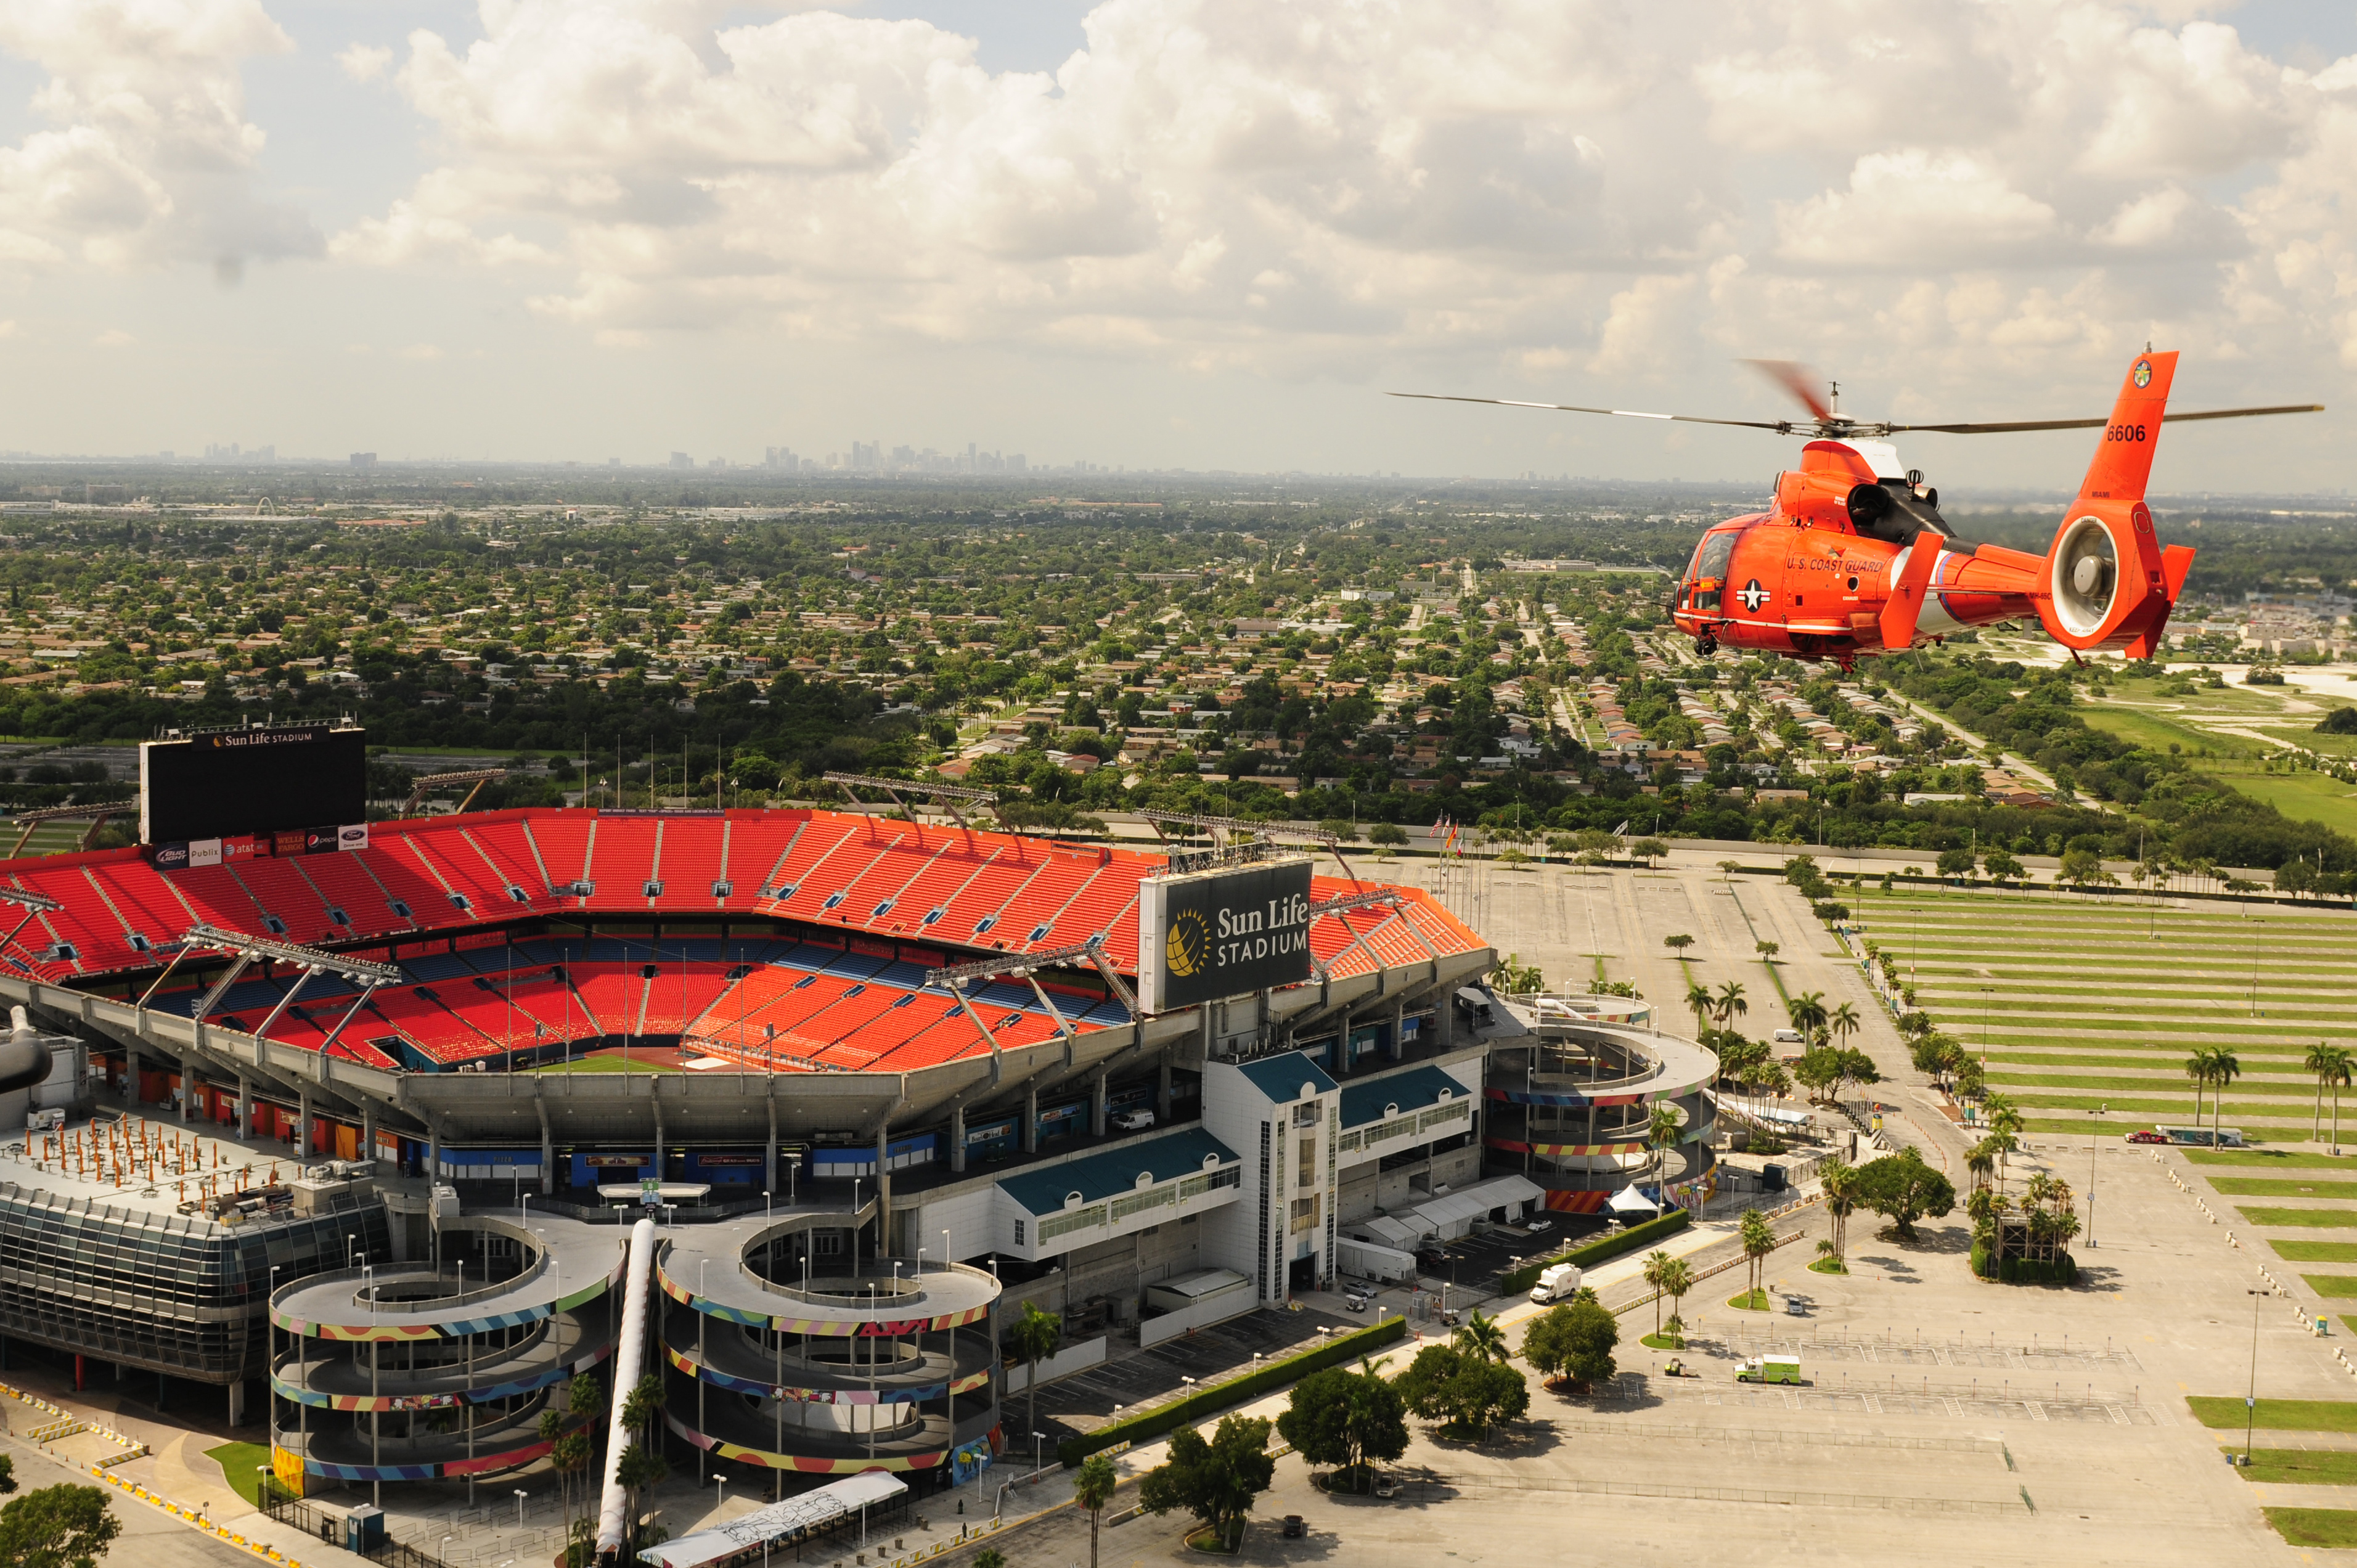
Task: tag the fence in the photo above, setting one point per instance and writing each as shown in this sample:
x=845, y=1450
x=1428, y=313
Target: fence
x=311, y=1519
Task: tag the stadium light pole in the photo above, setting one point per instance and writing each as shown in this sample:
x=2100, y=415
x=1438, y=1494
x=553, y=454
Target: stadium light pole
x=2250, y=1399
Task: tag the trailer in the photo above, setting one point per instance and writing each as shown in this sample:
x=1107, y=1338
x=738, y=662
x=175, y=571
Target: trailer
x=1373, y=1260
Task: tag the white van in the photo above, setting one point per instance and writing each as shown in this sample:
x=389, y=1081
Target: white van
x=1559, y=1283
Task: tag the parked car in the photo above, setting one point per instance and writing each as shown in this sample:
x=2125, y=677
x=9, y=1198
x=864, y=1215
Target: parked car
x=1386, y=1484
x=2147, y=1136
x=1357, y=1300
x=1293, y=1530
x=1538, y=1226
x=1134, y=1120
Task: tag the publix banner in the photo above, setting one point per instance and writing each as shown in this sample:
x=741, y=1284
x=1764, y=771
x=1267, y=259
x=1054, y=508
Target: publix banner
x=1211, y=934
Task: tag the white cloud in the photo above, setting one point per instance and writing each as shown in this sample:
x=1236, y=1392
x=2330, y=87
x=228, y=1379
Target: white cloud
x=365, y=62
x=147, y=157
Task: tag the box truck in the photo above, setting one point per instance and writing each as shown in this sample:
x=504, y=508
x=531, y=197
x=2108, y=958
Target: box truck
x=1559, y=1282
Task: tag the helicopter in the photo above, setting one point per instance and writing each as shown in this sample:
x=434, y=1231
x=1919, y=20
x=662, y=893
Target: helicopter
x=1851, y=558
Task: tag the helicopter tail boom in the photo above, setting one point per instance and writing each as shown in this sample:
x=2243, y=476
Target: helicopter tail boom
x=2107, y=580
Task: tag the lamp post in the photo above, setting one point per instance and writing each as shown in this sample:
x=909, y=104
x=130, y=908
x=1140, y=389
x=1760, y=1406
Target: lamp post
x=2098, y=1114
x=521, y=1495
x=2251, y=1399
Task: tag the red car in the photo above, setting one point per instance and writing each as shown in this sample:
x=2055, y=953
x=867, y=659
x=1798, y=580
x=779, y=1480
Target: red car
x=2147, y=1136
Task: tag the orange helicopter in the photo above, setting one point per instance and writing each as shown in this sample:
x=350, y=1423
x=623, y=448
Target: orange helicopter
x=1833, y=568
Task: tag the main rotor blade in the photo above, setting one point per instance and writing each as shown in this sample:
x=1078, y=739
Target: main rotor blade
x=1784, y=426
x=1800, y=381
x=2011, y=426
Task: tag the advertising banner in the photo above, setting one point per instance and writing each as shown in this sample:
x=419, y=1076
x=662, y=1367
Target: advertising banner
x=205, y=852
x=1207, y=935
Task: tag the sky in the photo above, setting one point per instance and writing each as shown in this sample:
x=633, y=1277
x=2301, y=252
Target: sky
x=1205, y=234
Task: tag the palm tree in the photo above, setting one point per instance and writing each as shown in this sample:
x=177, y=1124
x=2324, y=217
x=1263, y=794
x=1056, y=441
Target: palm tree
x=1808, y=1011
x=1844, y=1022
x=2197, y=1068
x=2224, y=1068
x=1698, y=1003
x=1730, y=1004
x=1981, y=1160
x=1663, y=1128
x=640, y=1471
x=1482, y=1339
x=1759, y=1241
x=1657, y=1267
x=2336, y=1078
x=2318, y=1061
x=1092, y=1487
x=1035, y=1337
x=1838, y=1179
x=1677, y=1278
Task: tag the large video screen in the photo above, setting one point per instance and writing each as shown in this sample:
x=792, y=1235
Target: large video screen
x=284, y=778
x=1222, y=933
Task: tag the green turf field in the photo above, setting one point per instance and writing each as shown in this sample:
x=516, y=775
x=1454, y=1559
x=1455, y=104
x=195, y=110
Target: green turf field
x=2281, y=1186
x=607, y=1064
x=2082, y=1003
x=2217, y=1411
x=2299, y=1467
x=2276, y=1159
x=2315, y=1219
x=2316, y=1252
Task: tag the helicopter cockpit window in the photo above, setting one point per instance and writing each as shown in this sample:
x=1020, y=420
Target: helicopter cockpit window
x=1707, y=577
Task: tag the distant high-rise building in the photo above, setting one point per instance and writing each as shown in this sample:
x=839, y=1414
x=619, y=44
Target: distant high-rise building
x=682, y=460
x=716, y=462
x=1014, y=464
x=781, y=457
x=364, y=459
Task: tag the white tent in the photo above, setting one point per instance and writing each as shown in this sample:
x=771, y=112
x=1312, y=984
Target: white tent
x=1390, y=1231
x=1452, y=1214
x=1629, y=1200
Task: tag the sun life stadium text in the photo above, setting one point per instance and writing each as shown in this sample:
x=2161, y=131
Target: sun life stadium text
x=1269, y=932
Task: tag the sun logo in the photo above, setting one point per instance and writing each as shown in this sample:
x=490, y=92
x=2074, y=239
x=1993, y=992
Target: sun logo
x=1188, y=945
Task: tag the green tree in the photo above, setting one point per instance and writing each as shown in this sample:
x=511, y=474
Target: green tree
x=1767, y=951
x=1649, y=851
x=640, y=1406
x=1730, y=1005
x=1677, y=942
x=1808, y=1013
x=1574, y=1341
x=65, y=1526
x=1035, y=1336
x=1215, y=1481
x=1700, y=1003
x=1387, y=833
x=1677, y=1278
x=990, y=1557
x=1843, y=1022
x=1467, y=1394
x=1092, y=1487
x=1902, y=1189
x=1346, y=1418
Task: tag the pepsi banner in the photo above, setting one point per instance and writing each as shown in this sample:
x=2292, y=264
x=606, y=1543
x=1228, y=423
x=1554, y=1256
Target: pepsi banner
x=1208, y=935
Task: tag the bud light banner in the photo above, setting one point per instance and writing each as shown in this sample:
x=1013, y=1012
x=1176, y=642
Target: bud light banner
x=1214, y=934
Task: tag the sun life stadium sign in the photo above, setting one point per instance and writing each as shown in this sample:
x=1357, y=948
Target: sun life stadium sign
x=1203, y=935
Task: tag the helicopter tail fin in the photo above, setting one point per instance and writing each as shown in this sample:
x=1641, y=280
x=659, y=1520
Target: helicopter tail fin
x=2108, y=583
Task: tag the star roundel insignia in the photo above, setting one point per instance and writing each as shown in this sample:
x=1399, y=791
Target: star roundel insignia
x=1753, y=596
x=2143, y=372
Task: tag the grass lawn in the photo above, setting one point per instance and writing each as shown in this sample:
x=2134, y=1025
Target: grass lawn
x=2215, y=1412
x=2283, y=1187
x=1750, y=1301
x=2323, y=1219
x=2300, y=1466
x=237, y=1461
x=607, y=1064
x=2332, y=1284
x=2284, y=1159
x=2313, y=1527
x=1827, y=1266
x=2316, y=1252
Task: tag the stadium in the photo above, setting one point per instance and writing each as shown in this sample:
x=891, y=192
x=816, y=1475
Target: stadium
x=369, y=1114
